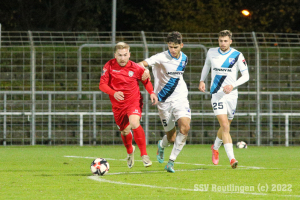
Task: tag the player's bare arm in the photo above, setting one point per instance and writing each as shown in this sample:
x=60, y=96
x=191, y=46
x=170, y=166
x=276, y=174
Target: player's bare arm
x=202, y=86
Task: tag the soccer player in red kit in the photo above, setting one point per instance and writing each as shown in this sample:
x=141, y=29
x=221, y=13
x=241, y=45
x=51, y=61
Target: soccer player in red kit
x=120, y=79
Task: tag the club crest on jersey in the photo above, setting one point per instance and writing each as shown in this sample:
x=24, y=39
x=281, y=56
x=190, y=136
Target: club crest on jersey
x=231, y=61
x=130, y=73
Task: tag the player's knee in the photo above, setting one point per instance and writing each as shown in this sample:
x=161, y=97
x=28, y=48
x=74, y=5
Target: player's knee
x=225, y=127
x=125, y=132
x=135, y=124
x=184, y=129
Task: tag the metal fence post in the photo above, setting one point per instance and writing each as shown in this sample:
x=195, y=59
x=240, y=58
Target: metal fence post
x=32, y=64
x=258, y=137
x=113, y=22
x=286, y=130
x=271, y=119
x=81, y=130
x=4, y=121
x=94, y=119
x=49, y=119
x=146, y=93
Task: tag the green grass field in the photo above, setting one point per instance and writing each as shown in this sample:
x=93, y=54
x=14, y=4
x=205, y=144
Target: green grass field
x=63, y=172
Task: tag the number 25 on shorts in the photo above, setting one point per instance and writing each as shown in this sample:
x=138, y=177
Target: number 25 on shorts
x=218, y=105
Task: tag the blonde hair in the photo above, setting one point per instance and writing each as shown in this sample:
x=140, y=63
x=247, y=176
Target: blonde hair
x=225, y=33
x=121, y=45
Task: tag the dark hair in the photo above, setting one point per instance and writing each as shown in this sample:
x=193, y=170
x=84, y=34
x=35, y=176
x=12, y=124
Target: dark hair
x=225, y=33
x=175, y=37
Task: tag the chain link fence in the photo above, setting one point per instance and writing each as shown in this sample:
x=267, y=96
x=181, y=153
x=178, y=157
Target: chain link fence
x=49, y=96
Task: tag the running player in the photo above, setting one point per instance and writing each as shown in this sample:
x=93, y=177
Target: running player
x=120, y=79
x=225, y=62
x=173, y=106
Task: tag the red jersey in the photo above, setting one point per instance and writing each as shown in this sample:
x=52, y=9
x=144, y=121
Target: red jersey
x=124, y=79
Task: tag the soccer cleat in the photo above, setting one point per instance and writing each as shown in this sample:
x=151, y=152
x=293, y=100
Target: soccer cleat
x=130, y=158
x=234, y=163
x=160, y=152
x=215, y=155
x=170, y=167
x=146, y=160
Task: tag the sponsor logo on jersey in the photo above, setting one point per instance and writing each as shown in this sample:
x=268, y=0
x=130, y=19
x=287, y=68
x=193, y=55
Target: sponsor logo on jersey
x=231, y=61
x=175, y=73
x=244, y=61
x=103, y=71
x=130, y=73
x=116, y=70
x=222, y=70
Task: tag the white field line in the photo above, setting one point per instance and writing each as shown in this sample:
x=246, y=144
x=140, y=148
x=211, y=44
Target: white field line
x=180, y=163
x=99, y=179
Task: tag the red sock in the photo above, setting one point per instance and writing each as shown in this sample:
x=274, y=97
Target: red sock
x=140, y=140
x=127, y=140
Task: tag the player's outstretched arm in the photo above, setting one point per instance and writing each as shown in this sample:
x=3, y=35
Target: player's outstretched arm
x=149, y=87
x=146, y=73
x=153, y=98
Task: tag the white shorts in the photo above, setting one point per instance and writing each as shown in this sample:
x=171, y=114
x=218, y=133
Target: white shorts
x=170, y=112
x=225, y=104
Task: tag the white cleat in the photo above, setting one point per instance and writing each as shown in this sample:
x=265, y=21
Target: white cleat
x=130, y=158
x=146, y=160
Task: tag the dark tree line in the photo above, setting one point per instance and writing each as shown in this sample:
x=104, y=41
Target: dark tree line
x=154, y=15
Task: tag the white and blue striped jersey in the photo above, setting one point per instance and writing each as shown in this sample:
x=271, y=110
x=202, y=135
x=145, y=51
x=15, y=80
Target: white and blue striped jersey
x=224, y=69
x=168, y=76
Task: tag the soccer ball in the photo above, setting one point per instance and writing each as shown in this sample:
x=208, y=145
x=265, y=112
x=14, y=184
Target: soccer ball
x=100, y=166
x=241, y=145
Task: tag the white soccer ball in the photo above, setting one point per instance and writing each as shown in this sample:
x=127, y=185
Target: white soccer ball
x=241, y=145
x=100, y=166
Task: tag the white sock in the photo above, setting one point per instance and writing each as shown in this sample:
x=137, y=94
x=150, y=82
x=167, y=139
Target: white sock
x=178, y=145
x=218, y=143
x=229, y=150
x=165, y=142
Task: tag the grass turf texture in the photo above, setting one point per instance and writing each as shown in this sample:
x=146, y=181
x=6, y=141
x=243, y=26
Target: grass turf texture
x=41, y=172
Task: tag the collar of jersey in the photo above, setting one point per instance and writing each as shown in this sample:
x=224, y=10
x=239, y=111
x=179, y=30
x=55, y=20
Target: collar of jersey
x=174, y=57
x=223, y=53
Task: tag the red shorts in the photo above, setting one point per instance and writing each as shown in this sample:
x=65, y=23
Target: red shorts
x=122, y=114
